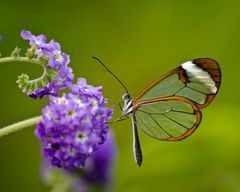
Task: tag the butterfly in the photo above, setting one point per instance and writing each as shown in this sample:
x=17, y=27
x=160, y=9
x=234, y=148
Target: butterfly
x=169, y=109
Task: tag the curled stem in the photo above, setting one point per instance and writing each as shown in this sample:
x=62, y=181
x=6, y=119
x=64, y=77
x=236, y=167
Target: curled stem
x=21, y=59
x=19, y=126
x=29, y=86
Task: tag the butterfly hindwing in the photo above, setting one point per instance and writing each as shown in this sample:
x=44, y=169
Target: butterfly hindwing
x=169, y=118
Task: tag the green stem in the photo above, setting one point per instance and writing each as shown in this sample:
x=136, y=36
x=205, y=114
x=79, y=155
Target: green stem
x=61, y=186
x=21, y=59
x=26, y=60
x=20, y=125
x=28, y=122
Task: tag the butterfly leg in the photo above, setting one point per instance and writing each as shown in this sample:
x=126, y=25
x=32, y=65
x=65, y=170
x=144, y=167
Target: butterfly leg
x=117, y=103
x=121, y=118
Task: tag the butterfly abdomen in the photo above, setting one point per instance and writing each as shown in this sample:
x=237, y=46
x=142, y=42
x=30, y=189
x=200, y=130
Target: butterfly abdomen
x=136, y=143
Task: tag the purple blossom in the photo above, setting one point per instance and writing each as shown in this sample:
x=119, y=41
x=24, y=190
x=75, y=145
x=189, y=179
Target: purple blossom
x=62, y=80
x=74, y=126
x=38, y=41
x=57, y=58
x=98, y=169
x=57, y=64
x=96, y=175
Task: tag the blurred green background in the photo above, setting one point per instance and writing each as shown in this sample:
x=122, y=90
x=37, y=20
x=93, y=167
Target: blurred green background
x=139, y=41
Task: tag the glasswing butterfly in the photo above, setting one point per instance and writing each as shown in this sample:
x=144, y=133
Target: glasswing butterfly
x=169, y=109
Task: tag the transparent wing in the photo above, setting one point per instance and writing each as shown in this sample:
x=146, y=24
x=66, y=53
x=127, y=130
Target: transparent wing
x=197, y=80
x=170, y=118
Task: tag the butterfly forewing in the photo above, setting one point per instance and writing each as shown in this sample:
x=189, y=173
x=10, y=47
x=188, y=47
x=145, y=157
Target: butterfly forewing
x=169, y=118
x=197, y=80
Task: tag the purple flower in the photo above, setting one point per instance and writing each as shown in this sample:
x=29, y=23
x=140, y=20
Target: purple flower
x=73, y=127
x=59, y=75
x=62, y=80
x=97, y=175
x=38, y=41
x=57, y=58
x=98, y=169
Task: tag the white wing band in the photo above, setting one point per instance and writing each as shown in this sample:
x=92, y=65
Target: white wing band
x=198, y=73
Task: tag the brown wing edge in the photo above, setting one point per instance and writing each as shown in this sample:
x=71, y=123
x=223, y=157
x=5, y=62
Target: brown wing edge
x=197, y=113
x=213, y=68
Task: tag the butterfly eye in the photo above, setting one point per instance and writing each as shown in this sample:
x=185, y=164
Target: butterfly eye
x=126, y=96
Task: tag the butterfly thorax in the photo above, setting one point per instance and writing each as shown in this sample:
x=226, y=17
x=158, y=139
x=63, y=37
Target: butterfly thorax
x=128, y=103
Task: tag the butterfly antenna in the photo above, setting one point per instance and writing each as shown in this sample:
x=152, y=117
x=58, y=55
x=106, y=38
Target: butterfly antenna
x=112, y=73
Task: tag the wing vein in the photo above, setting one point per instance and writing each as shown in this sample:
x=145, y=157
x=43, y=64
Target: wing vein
x=198, y=90
x=151, y=113
x=182, y=112
x=172, y=110
x=160, y=126
x=145, y=125
x=179, y=90
x=175, y=121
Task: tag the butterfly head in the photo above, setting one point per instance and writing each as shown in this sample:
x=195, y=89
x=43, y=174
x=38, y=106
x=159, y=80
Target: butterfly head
x=126, y=97
x=127, y=104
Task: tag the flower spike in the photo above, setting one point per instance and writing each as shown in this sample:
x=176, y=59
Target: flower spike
x=56, y=76
x=74, y=126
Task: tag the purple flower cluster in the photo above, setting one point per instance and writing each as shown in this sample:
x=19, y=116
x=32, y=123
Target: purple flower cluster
x=57, y=62
x=98, y=170
x=74, y=125
x=96, y=174
x=74, y=133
